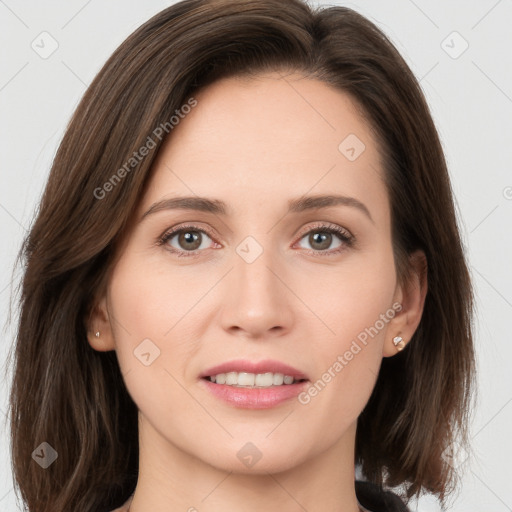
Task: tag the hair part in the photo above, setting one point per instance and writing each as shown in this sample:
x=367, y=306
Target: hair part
x=74, y=398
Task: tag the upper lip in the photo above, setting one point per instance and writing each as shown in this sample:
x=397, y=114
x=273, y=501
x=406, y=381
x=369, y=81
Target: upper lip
x=244, y=365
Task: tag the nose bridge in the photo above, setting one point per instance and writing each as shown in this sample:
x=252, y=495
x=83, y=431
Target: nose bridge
x=258, y=298
x=252, y=269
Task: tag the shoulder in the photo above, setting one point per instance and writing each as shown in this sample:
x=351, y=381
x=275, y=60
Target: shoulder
x=375, y=499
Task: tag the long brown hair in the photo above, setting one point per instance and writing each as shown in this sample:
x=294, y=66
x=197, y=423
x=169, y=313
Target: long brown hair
x=74, y=398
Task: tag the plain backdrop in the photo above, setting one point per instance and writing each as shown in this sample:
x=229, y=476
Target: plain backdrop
x=461, y=53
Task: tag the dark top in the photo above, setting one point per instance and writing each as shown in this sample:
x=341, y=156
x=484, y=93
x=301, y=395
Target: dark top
x=372, y=498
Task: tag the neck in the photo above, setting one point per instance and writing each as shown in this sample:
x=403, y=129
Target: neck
x=171, y=479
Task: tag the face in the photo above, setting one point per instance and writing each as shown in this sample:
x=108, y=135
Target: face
x=261, y=275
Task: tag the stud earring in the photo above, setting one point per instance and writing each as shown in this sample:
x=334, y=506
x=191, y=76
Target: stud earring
x=97, y=334
x=399, y=343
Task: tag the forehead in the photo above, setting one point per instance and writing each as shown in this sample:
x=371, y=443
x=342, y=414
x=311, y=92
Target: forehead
x=266, y=136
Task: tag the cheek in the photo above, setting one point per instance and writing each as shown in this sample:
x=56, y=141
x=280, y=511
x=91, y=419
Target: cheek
x=148, y=307
x=151, y=347
x=355, y=306
x=350, y=298
x=149, y=297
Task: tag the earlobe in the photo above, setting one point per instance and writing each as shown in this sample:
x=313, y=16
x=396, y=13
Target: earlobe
x=412, y=298
x=99, y=331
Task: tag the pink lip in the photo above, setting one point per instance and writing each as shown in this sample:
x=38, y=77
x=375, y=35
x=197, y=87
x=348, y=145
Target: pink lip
x=254, y=398
x=243, y=365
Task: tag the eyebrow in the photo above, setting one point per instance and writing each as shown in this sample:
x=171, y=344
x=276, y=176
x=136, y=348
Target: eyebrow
x=217, y=207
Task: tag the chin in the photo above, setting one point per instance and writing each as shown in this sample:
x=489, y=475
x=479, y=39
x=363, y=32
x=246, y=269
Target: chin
x=255, y=458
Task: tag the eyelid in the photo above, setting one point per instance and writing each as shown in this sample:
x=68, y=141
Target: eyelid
x=318, y=225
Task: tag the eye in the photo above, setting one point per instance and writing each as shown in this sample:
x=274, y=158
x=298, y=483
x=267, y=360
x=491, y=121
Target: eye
x=322, y=236
x=188, y=241
x=185, y=240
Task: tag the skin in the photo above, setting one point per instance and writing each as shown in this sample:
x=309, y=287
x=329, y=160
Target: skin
x=255, y=144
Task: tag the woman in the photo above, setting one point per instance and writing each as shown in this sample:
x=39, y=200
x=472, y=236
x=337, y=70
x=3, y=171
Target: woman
x=245, y=277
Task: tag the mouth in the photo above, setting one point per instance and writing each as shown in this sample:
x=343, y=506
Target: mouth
x=253, y=385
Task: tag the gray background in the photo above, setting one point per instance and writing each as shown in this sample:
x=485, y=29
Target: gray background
x=470, y=95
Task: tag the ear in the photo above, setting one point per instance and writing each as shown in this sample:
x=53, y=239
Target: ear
x=411, y=296
x=99, y=330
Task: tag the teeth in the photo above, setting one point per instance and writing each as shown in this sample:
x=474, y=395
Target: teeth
x=246, y=379
x=278, y=379
x=260, y=380
x=231, y=378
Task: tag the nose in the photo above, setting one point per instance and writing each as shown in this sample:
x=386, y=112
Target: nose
x=258, y=300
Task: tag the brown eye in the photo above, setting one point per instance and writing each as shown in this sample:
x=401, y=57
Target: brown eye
x=321, y=239
x=189, y=240
x=186, y=240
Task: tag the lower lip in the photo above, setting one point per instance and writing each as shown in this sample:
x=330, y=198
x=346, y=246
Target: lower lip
x=255, y=398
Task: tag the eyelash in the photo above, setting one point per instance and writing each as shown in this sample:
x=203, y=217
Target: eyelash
x=347, y=239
